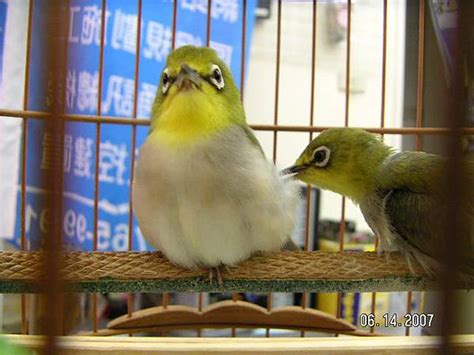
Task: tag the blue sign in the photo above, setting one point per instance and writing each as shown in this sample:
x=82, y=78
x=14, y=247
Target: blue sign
x=81, y=95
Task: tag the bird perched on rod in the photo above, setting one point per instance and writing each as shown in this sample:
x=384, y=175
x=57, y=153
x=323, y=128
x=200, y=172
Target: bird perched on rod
x=204, y=193
x=401, y=195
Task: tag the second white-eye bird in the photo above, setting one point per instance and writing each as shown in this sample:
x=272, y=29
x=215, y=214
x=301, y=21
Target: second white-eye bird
x=204, y=193
x=401, y=195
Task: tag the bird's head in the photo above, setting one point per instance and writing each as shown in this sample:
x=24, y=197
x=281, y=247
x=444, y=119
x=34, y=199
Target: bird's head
x=196, y=96
x=343, y=160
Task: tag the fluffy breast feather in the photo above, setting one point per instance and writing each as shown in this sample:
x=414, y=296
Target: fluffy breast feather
x=214, y=202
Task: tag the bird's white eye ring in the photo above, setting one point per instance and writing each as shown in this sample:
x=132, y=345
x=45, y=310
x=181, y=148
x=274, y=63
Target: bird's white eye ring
x=216, y=77
x=321, y=156
x=165, y=81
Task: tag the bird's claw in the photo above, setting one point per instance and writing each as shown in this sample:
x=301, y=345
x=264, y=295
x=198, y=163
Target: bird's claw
x=220, y=281
x=379, y=251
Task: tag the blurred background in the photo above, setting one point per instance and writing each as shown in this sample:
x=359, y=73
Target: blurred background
x=254, y=60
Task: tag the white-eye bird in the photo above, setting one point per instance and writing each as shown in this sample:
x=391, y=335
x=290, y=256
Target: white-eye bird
x=401, y=195
x=204, y=194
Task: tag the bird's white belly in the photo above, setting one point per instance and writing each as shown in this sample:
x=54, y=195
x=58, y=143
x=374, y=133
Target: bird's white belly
x=212, y=203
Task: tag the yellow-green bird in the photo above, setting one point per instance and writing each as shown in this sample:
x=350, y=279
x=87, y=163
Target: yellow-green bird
x=401, y=195
x=204, y=193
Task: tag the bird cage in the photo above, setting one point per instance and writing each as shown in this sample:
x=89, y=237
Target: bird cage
x=75, y=270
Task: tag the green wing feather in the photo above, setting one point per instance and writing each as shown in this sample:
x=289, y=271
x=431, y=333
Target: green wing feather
x=416, y=204
x=416, y=219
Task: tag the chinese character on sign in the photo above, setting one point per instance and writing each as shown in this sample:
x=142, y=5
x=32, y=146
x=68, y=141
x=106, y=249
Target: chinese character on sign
x=67, y=152
x=70, y=88
x=157, y=41
x=83, y=157
x=227, y=10
x=112, y=165
x=195, y=5
x=120, y=93
x=124, y=32
x=189, y=5
x=145, y=99
x=72, y=13
x=87, y=91
x=91, y=25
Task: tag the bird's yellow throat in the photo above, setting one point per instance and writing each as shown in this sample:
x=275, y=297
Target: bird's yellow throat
x=189, y=116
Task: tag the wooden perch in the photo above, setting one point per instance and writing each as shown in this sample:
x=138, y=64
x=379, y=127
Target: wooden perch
x=227, y=314
x=295, y=271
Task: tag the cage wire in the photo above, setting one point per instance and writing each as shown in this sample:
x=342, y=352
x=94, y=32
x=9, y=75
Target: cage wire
x=57, y=26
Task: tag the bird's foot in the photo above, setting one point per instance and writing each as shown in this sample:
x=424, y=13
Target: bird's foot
x=228, y=268
x=220, y=282
x=379, y=251
x=382, y=250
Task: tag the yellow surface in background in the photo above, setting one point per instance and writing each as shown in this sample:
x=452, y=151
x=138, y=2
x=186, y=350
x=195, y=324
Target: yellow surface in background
x=327, y=302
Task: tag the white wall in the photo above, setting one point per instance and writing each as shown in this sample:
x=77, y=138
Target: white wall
x=295, y=79
x=11, y=97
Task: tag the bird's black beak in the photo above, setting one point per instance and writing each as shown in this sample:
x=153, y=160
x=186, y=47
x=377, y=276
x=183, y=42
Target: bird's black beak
x=293, y=170
x=188, y=78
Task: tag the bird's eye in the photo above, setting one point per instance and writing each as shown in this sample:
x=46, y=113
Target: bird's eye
x=321, y=156
x=216, y=77
x=165, y=81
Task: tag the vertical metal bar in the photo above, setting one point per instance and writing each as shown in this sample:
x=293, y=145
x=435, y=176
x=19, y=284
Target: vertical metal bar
x=456, y=178
x=199, y=331
x=384, y=65
x=173, y=35
x=242, y=79
x=409, y=302
x=342, y=225
x=382, y=123
x=55, y=47
x=419, y=106
x=269, y=308
x=166, y=300
x=165, y=295
x=421, y=55
x=311, y=111
x=97, y=149
x=208, y=41
x=242, y=57
x=348, y=62
x=313, y=69
x=342, y=230
x=65, y=317
x=208, y=23
x=277, y=81
x=304, y=299
x=24, y=157
x=130, y=296
x=275, y=120
x=346, y=112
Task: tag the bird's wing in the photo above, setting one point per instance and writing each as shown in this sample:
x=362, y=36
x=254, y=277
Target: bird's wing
x=415, y=202
x=416, y=219
x=251, y=137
